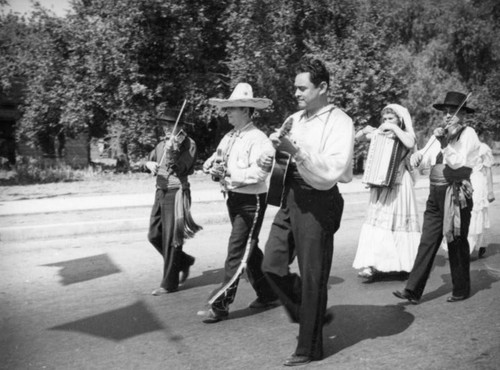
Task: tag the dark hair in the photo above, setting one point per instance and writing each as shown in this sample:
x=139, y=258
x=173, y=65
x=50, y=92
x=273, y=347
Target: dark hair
x=317, y=70
x=480, y=130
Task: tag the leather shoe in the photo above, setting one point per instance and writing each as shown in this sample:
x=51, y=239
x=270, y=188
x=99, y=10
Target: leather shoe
x=406, y=295
x=297, y=360
x=185, y=272
x=260, y=304
x=456, y=298
x=328, y=318
x=160, y=291
x=212, y=316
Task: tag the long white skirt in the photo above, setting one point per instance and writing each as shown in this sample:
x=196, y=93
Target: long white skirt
x=390, y=235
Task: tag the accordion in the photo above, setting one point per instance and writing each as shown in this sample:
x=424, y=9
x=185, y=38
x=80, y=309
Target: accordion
x=382, y=162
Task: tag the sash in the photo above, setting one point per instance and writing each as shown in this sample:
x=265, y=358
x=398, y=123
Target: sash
x=458, y=190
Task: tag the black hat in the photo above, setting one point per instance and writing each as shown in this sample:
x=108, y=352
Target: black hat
x=168, y=116
x=454, y=99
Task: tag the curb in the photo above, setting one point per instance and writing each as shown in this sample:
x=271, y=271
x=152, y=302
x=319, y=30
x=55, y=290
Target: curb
x=30, y=232
x=45, y=207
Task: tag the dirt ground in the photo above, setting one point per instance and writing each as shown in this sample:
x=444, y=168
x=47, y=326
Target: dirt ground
x=105, y=184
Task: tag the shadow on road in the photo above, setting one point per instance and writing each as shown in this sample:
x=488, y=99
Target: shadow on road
x=85, y=269
x=208, y=277
x=116, y=325
x=355, y=323
x=484, y=272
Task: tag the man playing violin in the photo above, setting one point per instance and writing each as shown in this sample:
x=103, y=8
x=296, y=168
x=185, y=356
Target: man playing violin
x=451, y=153
x=170, y=223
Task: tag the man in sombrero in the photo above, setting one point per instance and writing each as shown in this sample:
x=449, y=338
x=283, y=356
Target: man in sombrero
x=451, y=153
x=235, y=165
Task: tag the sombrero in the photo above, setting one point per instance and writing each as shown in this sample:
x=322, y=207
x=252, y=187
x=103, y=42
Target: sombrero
x=242, y=96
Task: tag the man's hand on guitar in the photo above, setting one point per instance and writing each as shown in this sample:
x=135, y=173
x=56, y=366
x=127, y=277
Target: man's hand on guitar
x=275, y=138
x=217, y=171
x=207, y=165
x=286, y=145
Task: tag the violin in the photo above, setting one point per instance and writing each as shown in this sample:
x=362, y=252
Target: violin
x=451, y=131
x=454, y=130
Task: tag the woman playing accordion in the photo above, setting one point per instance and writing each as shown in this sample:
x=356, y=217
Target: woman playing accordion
x=390, y=234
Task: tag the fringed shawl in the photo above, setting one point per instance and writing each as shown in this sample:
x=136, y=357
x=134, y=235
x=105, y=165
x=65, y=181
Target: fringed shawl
x=185, y=227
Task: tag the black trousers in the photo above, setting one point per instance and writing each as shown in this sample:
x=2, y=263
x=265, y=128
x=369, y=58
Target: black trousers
x=432, y=235
x=161, y=234
x=242, y=210
x=304, y=228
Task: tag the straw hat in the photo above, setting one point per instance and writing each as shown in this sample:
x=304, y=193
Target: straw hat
x=242, y=96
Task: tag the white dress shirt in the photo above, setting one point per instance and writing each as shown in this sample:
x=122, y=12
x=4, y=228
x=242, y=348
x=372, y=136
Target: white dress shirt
x=326, y=142
x=241, y=149
x=463, y=152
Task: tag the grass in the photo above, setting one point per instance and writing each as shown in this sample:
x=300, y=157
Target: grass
x=91, y=182
x=87, y=183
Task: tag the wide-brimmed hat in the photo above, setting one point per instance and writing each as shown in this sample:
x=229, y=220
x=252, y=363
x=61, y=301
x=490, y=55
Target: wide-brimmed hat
x=454, y=99
x=242, y=96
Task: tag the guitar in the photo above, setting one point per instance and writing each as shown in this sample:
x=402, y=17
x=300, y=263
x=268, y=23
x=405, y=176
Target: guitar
x=279, y=170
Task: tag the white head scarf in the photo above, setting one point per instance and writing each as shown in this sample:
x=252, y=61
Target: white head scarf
x=404, y=115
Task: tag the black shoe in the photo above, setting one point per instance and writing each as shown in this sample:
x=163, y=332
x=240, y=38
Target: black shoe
x=260, y=304
x=328, y=318
x=456, y=298
x=296, y=360
x=481, y=252
x=405, y=294
x=184, y=274
x=213, y=316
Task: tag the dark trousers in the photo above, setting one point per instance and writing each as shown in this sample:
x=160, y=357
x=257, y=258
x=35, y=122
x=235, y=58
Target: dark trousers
x=161, y=234
x=242, y=211
x=304, y=228
x=432, y=235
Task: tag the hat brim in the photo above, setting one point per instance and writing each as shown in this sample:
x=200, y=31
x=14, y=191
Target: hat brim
x=443, y=107
x=257, y=103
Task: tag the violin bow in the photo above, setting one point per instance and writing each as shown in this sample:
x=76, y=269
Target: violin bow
x=173, y=131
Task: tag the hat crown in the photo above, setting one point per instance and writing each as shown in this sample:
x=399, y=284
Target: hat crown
x=242, y=91
x=242, y=96
x=454, y=98
x=168, y=115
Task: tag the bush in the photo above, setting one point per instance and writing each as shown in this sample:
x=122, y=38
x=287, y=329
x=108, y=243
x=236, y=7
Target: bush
x=29, y=170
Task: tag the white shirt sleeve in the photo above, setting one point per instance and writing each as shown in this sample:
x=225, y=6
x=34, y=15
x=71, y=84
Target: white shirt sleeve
x=326, y=149
x=464, y=152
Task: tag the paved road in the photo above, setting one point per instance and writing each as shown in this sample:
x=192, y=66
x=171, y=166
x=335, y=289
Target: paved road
x=83, y=303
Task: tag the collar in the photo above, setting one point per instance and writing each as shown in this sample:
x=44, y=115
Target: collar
x=325, y=110
x=238, y=133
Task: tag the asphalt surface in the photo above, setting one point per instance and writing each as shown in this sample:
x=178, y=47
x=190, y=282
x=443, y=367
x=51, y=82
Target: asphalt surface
x=82, y=300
